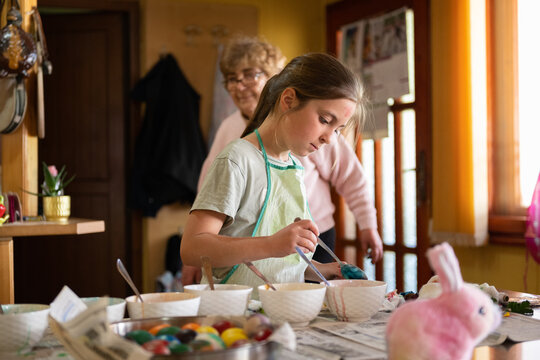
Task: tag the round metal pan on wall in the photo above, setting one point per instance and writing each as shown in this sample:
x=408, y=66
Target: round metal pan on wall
x=12, y=103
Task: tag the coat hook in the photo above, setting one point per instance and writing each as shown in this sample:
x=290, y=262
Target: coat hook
x=218, y=32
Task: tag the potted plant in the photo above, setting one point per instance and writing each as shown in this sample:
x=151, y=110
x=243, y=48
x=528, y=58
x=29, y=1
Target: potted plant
x=56, y=205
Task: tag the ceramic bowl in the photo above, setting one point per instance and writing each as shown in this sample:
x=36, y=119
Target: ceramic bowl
x=115, y=309
x=226, y=299
x=295, y=303
x=163, y=304
x=21, y=327
x=355, y=300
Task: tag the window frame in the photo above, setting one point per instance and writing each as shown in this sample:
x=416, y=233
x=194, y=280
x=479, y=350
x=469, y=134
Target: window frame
x=506, y=228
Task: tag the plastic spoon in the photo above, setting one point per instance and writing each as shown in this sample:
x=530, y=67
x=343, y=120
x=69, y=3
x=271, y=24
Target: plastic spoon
x=122, y=270
x=349, y=271
x=304, y=257
x=207, y=268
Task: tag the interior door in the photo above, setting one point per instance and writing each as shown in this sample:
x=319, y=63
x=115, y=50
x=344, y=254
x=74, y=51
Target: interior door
x=400, y=164
x=85, y=107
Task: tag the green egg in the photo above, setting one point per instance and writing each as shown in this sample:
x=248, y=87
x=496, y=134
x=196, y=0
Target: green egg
x=139, y=336
x=170, y=330
x=178, y=348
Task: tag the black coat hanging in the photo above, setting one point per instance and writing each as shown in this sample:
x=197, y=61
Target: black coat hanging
x=169, y=150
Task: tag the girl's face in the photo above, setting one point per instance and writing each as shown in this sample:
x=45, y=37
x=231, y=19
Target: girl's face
x=316, y=124
x=245, y=86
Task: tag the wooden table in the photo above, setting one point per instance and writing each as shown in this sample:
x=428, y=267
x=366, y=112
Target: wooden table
x=34, y=228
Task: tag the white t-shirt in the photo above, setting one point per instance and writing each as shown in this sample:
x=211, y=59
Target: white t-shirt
x=236, y=186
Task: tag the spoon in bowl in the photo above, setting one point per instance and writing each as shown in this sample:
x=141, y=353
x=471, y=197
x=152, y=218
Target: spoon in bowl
x=207, y=268
x=122, y=270
x=252, y=267
x=349, y=271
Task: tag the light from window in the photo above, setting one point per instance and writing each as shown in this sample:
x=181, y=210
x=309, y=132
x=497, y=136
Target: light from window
x=529, y=80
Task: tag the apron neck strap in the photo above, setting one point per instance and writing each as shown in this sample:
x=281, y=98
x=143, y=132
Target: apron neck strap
x=264, y=151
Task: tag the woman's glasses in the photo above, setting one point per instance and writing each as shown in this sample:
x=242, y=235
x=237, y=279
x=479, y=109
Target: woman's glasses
x=249, y=78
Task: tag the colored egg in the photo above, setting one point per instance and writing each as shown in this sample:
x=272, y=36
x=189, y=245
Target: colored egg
x=230, y=336
x=201, y=345
x=169, y=330
x=191, y=325
x=240, y=342
x=222, y=325
x=207, y=329
x=139, y=336
x=155, y=329
x=157, y=347
x=216, y=342
x=168, y=338
x=263, y=333
x=252, y=324
x=185, y=335
x=178, y=348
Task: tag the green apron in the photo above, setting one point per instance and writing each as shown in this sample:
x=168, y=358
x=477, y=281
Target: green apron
x=285, y=200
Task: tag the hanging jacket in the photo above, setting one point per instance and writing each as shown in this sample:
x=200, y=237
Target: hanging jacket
x=169, y=149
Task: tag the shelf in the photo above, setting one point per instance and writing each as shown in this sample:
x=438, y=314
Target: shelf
x=42, y=228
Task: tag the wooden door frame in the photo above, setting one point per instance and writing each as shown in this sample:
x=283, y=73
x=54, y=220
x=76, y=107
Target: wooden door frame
x=130, y=9
x=348, y=11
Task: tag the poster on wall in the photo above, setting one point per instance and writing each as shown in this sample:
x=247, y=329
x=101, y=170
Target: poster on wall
x=381, y=61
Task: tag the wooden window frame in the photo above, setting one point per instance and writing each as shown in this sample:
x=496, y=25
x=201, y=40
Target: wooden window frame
x=504, y=229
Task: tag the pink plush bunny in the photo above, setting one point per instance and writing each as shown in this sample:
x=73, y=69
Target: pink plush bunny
x=448, y=326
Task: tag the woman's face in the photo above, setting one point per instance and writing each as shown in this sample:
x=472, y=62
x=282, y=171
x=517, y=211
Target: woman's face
x=315, y=125
x=245, y=86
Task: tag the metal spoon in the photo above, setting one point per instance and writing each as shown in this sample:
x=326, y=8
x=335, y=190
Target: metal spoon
x=207, y=268
x=252, y=267
x=349, y=271
x=122, y=270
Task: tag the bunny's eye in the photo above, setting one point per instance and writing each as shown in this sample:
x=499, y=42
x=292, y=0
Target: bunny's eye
x=482, y=311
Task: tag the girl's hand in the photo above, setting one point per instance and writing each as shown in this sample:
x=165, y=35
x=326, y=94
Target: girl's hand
x=300, y=233
x=331, y=271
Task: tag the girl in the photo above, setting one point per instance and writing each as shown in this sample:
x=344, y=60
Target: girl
x=254, y=189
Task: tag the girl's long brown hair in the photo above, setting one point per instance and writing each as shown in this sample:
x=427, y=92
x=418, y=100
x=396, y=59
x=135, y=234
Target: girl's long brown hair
x=312, y=76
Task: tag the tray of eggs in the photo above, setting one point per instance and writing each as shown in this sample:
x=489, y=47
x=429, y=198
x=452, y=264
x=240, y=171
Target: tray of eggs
x=203, y=337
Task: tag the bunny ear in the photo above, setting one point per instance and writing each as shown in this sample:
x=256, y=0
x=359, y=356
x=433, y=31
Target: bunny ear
x=445, y=264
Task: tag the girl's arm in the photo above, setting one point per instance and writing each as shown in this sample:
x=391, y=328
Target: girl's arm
x=330, y=271
x=201, y=238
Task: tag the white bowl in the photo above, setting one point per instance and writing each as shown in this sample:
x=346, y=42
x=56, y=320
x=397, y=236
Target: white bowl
x=355, y=300
x=226, y=299
x=115, y=310
x=163, y=304
x=295, y=303
x=21, y=327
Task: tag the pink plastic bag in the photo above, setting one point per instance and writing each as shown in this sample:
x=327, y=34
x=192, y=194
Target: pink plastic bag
x=532, y=234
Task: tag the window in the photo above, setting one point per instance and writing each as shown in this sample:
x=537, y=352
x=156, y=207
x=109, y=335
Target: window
x=514, y=148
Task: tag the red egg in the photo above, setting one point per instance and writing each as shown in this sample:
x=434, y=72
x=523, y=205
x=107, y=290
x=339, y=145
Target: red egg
x=222, y=325
x=263, y=333
x=157, y=347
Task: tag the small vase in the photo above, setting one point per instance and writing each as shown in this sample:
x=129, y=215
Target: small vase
x=57, y=208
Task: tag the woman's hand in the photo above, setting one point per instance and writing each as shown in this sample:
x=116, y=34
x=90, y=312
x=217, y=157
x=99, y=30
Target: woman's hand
x=300, y=233
x=369, y=238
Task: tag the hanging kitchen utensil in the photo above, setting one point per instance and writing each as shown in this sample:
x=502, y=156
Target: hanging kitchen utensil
x=17, y=48
x=12, y=103
x=44, y=67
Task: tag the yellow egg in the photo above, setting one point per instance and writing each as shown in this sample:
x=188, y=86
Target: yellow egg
x=231, y=335
x=207, y=330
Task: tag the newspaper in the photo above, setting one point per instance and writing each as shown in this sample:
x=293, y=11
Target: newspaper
x=515, y=327
x=370, y=333
x=85, y=332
